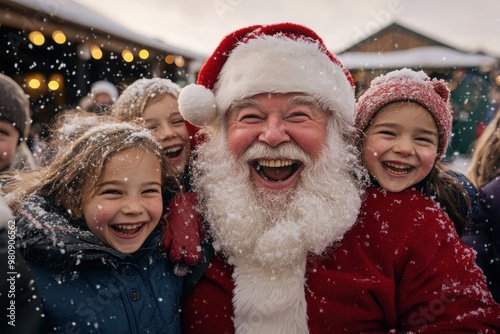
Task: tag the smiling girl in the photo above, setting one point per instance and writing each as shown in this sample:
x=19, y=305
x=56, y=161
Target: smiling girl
x=406, y=122
x=153, y=103
x=88, y=225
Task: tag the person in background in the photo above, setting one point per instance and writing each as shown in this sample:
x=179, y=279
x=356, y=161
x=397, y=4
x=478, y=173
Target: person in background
x=102, y=95
x=484, y=172
x=405, y=123
x=15, y=122
x=153, y=103
x=91, y=233
x=299, y=244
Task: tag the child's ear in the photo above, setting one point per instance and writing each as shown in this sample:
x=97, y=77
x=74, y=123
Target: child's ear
x=73, y=209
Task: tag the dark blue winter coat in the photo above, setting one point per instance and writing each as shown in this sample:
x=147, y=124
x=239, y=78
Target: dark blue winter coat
x=87, y=287
x=485, y=235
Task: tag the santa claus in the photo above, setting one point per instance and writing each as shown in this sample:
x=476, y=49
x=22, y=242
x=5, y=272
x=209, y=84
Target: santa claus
x=281, y=190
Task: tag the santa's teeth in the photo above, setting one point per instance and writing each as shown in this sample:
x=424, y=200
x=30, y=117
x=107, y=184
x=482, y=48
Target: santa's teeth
x=275, y=162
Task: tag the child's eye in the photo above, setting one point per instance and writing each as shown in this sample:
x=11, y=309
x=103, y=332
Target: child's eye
x=387, y=133
x=178, y=121
x=152, y=190
x=425, y=140
x=110, y=192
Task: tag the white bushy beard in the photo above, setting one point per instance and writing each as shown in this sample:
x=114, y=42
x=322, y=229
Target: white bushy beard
x=277, y=229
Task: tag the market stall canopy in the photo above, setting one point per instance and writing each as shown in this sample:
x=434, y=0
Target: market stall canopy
x=425, y=57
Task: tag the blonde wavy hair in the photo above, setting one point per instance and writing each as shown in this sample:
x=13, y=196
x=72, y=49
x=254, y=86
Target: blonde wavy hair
x=135, y=98
x=484, y=164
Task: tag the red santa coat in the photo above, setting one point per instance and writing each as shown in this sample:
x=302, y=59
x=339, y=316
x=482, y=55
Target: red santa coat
x=402, y=267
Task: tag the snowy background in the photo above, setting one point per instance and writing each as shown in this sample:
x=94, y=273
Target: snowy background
x=199, y=25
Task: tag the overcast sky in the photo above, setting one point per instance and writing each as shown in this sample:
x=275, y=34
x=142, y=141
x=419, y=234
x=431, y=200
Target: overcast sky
x=199, y=25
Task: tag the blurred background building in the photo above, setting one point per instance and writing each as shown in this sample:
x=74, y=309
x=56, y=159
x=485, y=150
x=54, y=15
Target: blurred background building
x=470, y=76
x=56, y=49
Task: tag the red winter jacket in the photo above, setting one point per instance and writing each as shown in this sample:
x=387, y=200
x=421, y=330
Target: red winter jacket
x=402, y=267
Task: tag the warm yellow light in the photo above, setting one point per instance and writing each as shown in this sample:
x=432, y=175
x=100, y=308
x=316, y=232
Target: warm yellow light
x=96, y=51
x=36, y=38
x=53, y=85
x=59, y=37
x=169, y=59
x=34, y=83
x=144, y=54
x=452, y=85
x=179, y=61
x=127, y=56
x=497, y=80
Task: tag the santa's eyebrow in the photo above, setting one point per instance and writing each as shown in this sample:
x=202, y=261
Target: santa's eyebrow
x=241, y=104
x=306, y=100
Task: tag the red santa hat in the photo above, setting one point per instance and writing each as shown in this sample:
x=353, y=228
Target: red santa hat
x=408, y=85
x=276, y=58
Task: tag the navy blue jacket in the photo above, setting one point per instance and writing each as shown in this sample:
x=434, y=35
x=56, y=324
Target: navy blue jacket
x=485, y=235
x=87, y=287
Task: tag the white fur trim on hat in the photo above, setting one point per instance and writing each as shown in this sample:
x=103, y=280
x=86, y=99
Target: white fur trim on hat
x=273, y=64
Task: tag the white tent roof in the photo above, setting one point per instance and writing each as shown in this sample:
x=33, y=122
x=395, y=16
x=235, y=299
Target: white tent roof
x=427, y=56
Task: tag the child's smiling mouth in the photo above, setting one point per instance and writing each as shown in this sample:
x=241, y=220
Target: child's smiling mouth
x=128, y=229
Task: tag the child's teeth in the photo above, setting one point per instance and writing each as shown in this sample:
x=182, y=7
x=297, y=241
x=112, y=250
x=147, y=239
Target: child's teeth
x=128, y=227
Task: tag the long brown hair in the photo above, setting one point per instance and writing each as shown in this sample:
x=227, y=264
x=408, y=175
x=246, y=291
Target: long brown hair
x=450, y=194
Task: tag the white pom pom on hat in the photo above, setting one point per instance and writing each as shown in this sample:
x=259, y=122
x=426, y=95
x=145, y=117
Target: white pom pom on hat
x=200, y=102
x=276, y=58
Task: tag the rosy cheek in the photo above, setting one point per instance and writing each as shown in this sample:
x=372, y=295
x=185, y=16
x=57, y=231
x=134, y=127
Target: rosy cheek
x=235, y=145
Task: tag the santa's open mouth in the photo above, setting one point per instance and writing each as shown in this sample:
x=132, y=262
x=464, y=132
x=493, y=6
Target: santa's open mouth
x=127, y=229
x=276, y=170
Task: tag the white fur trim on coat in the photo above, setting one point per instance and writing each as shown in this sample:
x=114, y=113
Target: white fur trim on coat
x=269, y=300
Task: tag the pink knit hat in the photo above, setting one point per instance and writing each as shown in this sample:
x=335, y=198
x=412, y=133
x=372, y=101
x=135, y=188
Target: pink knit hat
x=408, y=85
x=276, y=58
